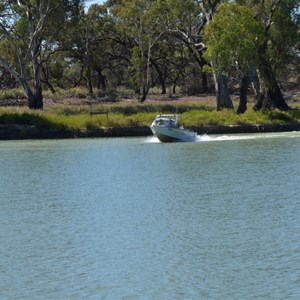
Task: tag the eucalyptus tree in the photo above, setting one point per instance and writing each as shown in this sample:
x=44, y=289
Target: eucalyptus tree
x=231, y=40
x=111, y=49
x=169, y=61
x=278, y=20
x=251, y=33
x=86, y=42
x=187, y=21
x=143, y=22
x=29, y=29
x=98, y=52
x=223, y=99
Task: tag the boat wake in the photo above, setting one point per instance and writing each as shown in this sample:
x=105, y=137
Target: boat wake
x=152, y=140
x=235, y=137
x=207, y=138
x=249, y=136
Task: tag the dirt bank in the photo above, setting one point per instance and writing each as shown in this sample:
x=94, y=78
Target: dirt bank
x=17, y=132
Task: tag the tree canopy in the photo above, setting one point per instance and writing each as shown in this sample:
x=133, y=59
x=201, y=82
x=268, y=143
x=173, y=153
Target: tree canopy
x=254, y=32
x=139, y=44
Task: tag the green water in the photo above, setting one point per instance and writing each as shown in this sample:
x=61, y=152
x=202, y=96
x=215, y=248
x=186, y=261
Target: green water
x=132, y=218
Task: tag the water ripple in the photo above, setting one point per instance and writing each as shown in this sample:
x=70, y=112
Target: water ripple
x=125, y=219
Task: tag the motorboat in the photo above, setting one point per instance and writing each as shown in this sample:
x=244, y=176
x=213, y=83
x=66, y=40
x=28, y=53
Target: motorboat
x=167, y=129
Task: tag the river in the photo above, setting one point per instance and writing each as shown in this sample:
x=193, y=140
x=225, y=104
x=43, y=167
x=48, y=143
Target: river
x=132, y=218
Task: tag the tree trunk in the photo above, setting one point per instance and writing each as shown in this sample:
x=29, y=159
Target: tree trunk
x=273, y=97
x=174, y=88
x=38, y=95
x=243, y=95
x=204, y=82
x=222, y=94
x=35, y=100
x=100, y=80
x=144, y=94
x=252, y=73
x=160, y=77
x=81, y=77
x=250, y=76
x=198, y=57
x=259, y=103
x=89, y=83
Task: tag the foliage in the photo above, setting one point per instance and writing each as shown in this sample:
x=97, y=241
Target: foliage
x=122, y=49
x=232, y=36
x=251, y=33
x=29, y=32
x=240, y=30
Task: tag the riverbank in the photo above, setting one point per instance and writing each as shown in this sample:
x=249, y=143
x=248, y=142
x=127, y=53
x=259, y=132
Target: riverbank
x=18, y=132
x=85, y=118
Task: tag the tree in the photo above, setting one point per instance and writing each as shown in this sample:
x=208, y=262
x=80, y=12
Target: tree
x=251, y=33
x=28, y=30
x=186, y=22
x=89, y=42
x=222, y=94
x=275, y=48
x=143, y=23
x=169, y=60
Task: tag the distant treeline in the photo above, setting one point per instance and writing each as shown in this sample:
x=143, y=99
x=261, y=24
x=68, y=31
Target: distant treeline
x=189, y=46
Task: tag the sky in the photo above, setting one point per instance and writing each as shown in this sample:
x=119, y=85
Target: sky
x=90, y=2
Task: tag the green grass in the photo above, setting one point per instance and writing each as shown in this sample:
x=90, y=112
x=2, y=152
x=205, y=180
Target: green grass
x=129, y=114
x=229, y=117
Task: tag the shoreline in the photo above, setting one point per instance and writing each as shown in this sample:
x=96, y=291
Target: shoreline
x=21, y=132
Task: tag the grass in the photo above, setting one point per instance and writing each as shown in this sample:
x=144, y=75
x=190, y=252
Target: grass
x=124, y=114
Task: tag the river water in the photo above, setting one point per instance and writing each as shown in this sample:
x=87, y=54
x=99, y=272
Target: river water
x=132, y=218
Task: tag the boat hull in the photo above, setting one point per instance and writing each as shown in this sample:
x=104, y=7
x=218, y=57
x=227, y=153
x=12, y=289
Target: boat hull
x=168, y=134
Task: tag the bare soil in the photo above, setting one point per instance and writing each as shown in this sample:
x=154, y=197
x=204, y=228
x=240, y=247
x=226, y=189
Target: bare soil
x=204, y=98
x=292, y=98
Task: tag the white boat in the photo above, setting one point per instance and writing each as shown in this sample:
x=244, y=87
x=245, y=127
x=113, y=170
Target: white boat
x=167, y=129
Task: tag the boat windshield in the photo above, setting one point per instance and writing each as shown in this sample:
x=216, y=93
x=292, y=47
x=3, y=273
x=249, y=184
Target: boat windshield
x=165, y=122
